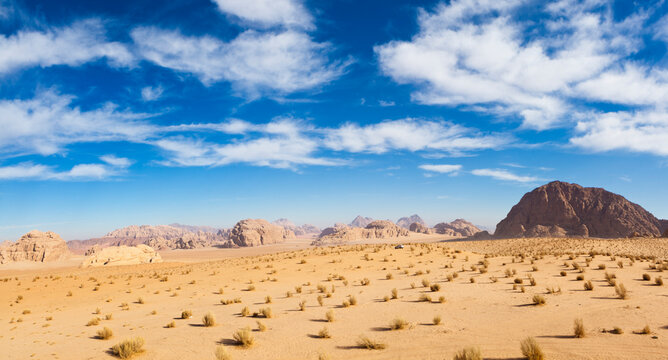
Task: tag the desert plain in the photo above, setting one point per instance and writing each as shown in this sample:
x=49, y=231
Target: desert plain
x=429, y=300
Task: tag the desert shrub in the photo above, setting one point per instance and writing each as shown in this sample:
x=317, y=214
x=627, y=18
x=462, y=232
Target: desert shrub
x=578, y=328
x=425, y=283
x=222, y=354
x=621, y=292
x=105, y=333
x=128, y=348
x=267, y=313
x=395, y=294
x=245, y=311
x=435, y=287
x=425, y=298
x=330, y=315
x=658, y=281
x=398, y=324
x=601, y=266
x=645, y=331
x=171, y=325
x=366, y=343
x=302, y=305
x=267, y=299
x=563, y=273
x=365, y=281
x=437, y=320
x=531, y=350
x=209, y=320
x=646, y=277
x=261, y=326
x=324, y=333
x=389, y=276
x=93, y=321
x=441, y=299
x=244, y=337
x=617, y=330
x=471, y=353
x=518, y=281
x=538, y=300
x=588, y=285
x=353, y=300
x=580, y=278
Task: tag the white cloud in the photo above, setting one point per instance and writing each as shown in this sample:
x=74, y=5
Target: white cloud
x=267, y=13
x=253, y=62
x=505, y=175
x=150, y=93
x=73, y=45
x=476, y=53
x=385, y=103
x=631, y=85
x=119, y=162
x=441, y=168
x=48, y=122
x=641, y=131
x=31, y=171
x=411, y=135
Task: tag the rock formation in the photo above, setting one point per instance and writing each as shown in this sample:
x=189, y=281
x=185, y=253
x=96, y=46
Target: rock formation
x=161, y=237
x=562, y=209
x=361, y=221
x=254, y=232
x=35, y=246
x=420, y=228
x=306, y=229
x=122, y=255
x=379, y=229
x=405, y=222
x=459, y=227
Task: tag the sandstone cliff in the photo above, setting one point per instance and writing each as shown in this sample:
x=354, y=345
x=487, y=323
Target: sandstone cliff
x=254, y=232
x=361, y=221
x=459, y=227
x=379, y=229
x=122, y=255
x=35, y=246
x=405, y=222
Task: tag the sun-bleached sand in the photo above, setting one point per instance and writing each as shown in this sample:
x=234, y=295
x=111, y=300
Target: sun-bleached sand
x=44, y=310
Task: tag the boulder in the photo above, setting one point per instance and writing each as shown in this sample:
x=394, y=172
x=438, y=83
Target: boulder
x=255, y=232
x=560, y=209
x=123, y=255
x=36, y=246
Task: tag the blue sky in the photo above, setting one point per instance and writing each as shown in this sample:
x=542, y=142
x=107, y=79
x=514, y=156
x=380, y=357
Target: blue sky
x=207, y=112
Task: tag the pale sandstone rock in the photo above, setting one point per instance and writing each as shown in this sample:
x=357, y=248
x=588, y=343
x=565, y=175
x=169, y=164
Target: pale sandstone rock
x=123, y=255
x=35, y=246
x=255, y=232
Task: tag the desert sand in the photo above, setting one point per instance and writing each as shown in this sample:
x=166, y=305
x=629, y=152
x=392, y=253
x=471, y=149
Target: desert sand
x=51, y=311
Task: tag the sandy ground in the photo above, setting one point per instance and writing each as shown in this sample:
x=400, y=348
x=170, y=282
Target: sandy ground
x=44, y=310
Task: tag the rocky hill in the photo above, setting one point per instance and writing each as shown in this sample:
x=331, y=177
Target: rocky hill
x=35, y=246
x=304, y=230
x=405, y=222
x=561, y=209
x=122, y=255
x=420, y=228
x=459, y=227
x=379, y=229
x=255, y=232
x=360, y=221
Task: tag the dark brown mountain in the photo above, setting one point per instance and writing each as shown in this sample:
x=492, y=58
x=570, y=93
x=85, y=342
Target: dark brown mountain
x=564, y=209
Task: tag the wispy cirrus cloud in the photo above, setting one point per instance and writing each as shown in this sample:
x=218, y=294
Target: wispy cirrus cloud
x=504, y=175
x=441, y=168
x=112, y=166
x=81, y=42
x=267, y=13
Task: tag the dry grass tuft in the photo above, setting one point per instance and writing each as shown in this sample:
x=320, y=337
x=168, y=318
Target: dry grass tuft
x=588, y=285
x=578, y=328
x=244, y=337
x=324, y=333
x=222, y=354
x=260, y=326
x=437, y=320
x=538, y=299
x=105, y=333
x=171, y=325
x=398, y=324
x=621, y=292
x=471, y=353
x=330, y=316
x=209, y=320
x=128, y=348
x=531, y=350
x=366, y=343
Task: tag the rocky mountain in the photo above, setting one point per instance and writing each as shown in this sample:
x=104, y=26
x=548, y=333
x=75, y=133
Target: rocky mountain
x=379, y=229
x=361, y=221
x=420, y=228
x=306, y=229
x=161, y=237
x=405, y=222
x=459, y=227
x=122, y=255
x=255, y=232
x=562, y=209
x=35, y=246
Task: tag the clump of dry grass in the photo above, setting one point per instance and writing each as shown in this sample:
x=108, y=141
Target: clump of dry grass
x=324, y=333
x=186, y=314
x=330, y=315
x=105, y=333
x=644, y=331
x=435, y=287
x=366, y=343
x=209, y=320
x=425, y=298
x=617, y=330
x=365, y=281
x=260, y=326
x=245, y=311
x=578, y=328
x=621, y=291
x=437, y=320
x=244, y=337
x=302, y=305
x=646, y=277
x=222, y=354
x=538, y=299
x=128, y=348
x=470, y=353
x=658, y=281
x=171, y=325
x=267, y=299
x=531, y=350
x=398, y=324
x=93, y=321
x=588, y=285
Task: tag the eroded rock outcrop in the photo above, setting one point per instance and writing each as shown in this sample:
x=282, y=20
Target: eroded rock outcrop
x=406, y=222
x=420, y=228
x=361, y=221
x=378, y=229
x=122, y=255
x=35, y=246
x=459, y=227
x=255, y=232
x=561, y=209
x=303, y=230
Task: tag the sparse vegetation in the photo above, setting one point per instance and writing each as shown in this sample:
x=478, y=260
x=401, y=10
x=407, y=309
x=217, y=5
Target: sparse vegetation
x=186, y=314
x=128, y=348
x=398, y=324
x=330, y=315
x=105, y=333
x=366, y=343
x=437, y=320
x=588, y=285
x=324, y=333
x=531, y=350
x=578, y=328
x=621, y=291
x=244, y=337
x=209, y=320
x=470, y=353
x=538, y=299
